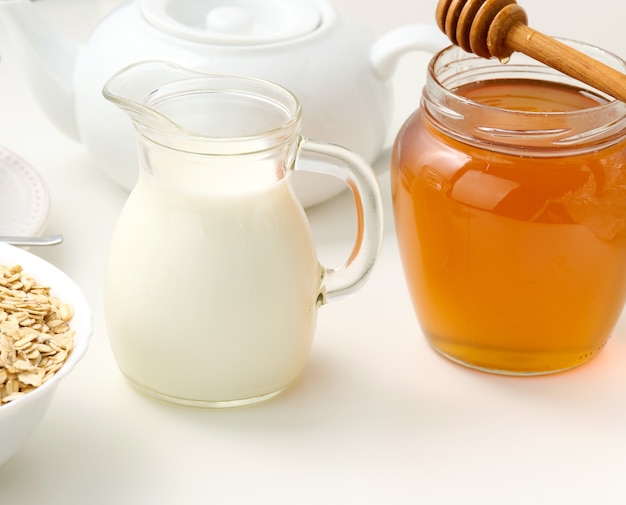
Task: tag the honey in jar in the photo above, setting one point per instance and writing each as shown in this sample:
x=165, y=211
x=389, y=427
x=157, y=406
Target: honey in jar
x=509, y=195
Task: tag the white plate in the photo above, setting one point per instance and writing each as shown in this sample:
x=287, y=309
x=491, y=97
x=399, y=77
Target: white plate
x=24, y=197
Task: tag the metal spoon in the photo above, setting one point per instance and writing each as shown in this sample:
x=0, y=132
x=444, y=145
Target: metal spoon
x=49, y=240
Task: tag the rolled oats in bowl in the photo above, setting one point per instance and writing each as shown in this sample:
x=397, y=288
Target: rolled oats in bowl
x=35, y=335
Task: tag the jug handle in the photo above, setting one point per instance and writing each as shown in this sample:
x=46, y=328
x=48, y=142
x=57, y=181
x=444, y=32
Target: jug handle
x=355, y=172
x=388, y=49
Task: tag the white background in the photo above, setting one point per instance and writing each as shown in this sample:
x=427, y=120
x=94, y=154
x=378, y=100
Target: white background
x=377, y=417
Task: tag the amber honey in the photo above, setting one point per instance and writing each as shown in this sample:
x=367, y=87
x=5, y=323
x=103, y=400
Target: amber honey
x=514, y=254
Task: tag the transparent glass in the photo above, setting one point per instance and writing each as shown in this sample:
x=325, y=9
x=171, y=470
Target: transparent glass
x=213, y=283
x=509, y=194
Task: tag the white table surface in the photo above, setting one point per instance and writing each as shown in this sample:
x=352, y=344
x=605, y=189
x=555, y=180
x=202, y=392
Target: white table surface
x=377, y=417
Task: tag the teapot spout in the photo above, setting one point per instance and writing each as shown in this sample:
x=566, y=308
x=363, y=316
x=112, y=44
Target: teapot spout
x=388, y=49
x=48, y=58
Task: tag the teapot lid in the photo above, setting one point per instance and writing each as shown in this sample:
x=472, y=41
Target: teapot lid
x=235, y=22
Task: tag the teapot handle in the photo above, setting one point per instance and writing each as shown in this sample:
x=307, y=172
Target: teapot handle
x=354, y=171
x=388, y=49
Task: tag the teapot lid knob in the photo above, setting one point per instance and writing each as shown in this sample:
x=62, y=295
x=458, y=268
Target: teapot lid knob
x=241, y=22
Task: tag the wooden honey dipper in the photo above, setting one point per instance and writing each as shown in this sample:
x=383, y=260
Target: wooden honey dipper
x=497, y=28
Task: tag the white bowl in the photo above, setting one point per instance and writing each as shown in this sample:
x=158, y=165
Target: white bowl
x=20, y=417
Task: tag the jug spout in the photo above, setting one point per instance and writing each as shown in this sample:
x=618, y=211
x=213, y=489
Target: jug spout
x=48, y=58
x=132, y=87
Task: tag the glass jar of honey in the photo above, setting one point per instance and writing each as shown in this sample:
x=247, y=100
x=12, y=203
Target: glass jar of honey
x=509, y=196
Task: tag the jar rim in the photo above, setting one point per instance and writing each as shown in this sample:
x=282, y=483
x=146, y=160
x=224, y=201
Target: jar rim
x=461, y=116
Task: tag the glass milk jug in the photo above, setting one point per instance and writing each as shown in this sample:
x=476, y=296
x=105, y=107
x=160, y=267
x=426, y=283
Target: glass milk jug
x=213, y=282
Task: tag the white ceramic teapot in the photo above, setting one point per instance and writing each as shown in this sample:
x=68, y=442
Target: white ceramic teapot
x=334, y=66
